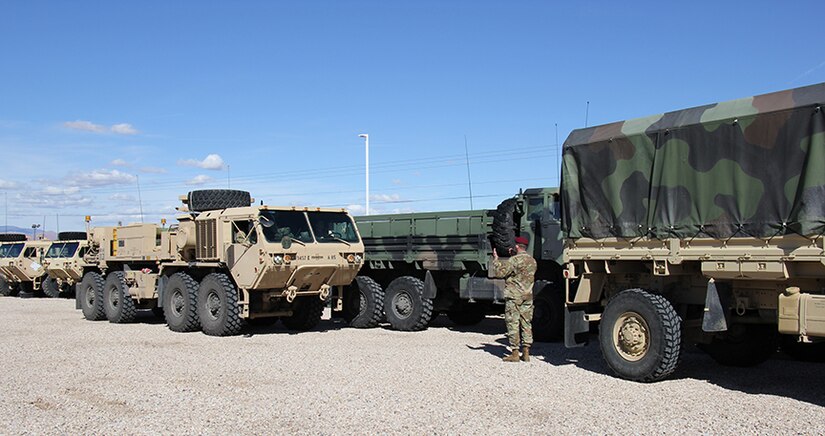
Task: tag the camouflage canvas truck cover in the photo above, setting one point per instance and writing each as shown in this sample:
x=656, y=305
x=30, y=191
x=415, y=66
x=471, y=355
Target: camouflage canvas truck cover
x=224, y=262
x=421, y=264
x=704, y=224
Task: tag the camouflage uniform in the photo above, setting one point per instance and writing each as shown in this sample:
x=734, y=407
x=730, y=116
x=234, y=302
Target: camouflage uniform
x=518, y=273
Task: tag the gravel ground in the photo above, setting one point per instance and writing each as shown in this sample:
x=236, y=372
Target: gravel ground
x=62, y=374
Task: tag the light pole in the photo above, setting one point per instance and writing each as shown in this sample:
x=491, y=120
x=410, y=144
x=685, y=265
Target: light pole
x=34, y=231
x=367, y=145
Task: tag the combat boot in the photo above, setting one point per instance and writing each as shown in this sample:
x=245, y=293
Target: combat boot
x=512, y=357
x=525, y=354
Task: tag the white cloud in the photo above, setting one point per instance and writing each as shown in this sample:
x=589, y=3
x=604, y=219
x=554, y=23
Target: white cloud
x=5, y=184
x=198, y=180
x=121, y=197
x=53, y=201
x=119, y=163
x=153, y=170
x=123, y=129
x=356, y=209
x=385, y=197
x=211, y=162
x=100, y=178
x=396, y=181
x=87, y=126
x=55, y=190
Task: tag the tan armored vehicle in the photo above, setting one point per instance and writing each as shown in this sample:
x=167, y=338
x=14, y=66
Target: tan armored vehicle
x=225, y=261
x=21, y=265
x=64, y=264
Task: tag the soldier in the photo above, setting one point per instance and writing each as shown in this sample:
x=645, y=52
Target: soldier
x=518, y=273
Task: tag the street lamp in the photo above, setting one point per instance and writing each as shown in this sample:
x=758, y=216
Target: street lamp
x=367, y=145
x=34, y=231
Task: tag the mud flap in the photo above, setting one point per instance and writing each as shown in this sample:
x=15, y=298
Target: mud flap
x=714, y=316
x=161, y=289
x=430, y=289
x=77, y=296
x=576, y=328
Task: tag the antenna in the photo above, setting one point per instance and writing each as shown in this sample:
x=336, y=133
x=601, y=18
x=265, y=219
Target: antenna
x=469, y=181
x=44, y=228
x=586, y=113
x=7, y=211
x=140, y=200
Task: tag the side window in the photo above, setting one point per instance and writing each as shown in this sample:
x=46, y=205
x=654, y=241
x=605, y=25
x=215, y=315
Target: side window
x=244, y=231
x=30, y=252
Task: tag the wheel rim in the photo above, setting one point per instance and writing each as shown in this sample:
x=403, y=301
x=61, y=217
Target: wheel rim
x=114, y=297
x=213, y=305
x=402, y=304
x=178, y=302
x=90, y=296
x=631, y=336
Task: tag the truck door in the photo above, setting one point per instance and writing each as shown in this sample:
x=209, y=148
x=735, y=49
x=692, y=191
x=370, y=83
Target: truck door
x=242, y=254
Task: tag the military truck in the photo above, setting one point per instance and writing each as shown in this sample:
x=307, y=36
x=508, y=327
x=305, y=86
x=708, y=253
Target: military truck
x=422, y=264
x=64, y=264
x=21, y=265
x=224, y=262
x=702, y=225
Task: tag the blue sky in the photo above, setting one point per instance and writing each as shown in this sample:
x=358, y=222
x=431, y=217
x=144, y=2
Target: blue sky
x=97, y=98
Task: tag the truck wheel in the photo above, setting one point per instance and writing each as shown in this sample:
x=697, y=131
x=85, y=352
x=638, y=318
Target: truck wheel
x=743, y=345
x=811, y=352
x=405, y=306
x=640, y=336
x=117, y=302
x=548, y=311
x=467, y=313
x=213, y=199
x=363, y=303
x=90, y=293
x=180, y=303
x=504, y=227
x=50, y=287
x=6, y=288
x=306, y=314
x=71, y=236
x=218, y=308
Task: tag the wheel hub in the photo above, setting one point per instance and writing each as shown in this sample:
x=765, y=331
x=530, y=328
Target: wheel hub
x=90, y=297
x=631, y=336
x=402, y=305
x=178, y=302
x=213, y=305
x=114, y=298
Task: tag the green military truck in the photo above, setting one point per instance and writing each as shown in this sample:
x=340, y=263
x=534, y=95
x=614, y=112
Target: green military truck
x=421, y=264
x=702, y=226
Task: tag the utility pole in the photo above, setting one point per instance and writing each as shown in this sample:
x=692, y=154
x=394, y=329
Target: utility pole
x=367, y=146
x=140, y=200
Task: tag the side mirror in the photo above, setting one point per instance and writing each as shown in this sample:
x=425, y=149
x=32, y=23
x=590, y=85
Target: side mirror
x=266, y=222
x=286, y=242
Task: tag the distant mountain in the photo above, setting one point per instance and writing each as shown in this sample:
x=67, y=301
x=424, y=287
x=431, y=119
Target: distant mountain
x=28, y=232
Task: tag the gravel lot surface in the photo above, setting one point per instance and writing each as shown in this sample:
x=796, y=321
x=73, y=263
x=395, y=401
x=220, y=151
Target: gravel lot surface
x=62, y=374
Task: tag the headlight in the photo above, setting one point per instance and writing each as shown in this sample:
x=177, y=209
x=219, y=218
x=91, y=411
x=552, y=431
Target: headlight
x=358, y=258
x=278, y=260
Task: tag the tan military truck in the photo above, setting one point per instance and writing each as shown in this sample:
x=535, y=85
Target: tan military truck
x=700, y=226
x=224, y=262
x=64, y=264
x=21, y=264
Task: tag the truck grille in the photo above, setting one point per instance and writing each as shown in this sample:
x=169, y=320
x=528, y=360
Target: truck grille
x=206, y=237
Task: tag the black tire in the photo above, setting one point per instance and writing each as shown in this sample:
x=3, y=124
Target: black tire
x=548, y=312
x=306, y=314
x=71, y=236
x=117, y=302
x=743, y=345
x=6, y=288
x=90, y=294
x=810, y=352
x=50, y=287
x=214, y=199
x=363, y=303
x=405, y=306
x=180, y=303
x=12, y=237
x=218, y=308
x=504, y=227
x=652, y=332
x=465, y=313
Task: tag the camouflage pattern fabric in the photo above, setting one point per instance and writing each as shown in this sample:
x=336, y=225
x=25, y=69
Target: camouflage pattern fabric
x=519, y=274
x=750, y=167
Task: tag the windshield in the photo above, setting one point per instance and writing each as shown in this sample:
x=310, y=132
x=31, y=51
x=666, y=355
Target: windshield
x=12, y=250
x=332, y=226
x=62, y=249
x=290, y=223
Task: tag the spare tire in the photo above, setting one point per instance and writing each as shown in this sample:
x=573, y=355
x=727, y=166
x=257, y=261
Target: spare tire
x=504, y=227
x=215, y=199
x=12, y=237
x=71, y=236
